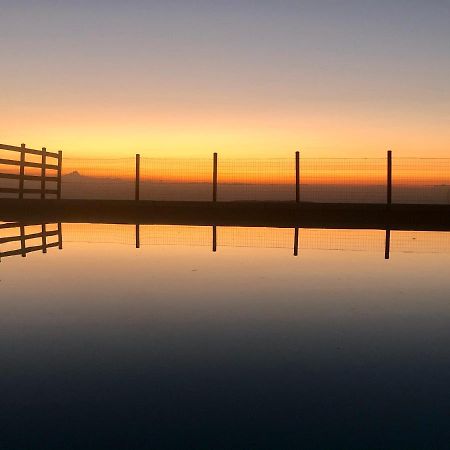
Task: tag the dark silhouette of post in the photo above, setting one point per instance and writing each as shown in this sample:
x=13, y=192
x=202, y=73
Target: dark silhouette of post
x=214, y=238
x=43, y=162
x=59, y=176
x=296, y=241
x=44, y=238
x=138, y=177
x=297, y=177
x=215, y=177
x=22, y=171
x=138, y=236
x=389, y=178
x=387, y=244
x=23, y=245
x=60, y=241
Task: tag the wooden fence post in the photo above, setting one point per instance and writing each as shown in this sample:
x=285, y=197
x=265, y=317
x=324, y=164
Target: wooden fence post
x=59, y=182
x=43, y=162
x=297, y=177
x=389, y=178
x=22, y=171
x=215, y=177
x=137, y=177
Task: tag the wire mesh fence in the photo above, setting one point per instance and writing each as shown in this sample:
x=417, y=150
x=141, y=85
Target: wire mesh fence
x=421, y=180
x=98, y=178
x=321, y=180
x=343, y=180
x=176, y=179
x=256, y=179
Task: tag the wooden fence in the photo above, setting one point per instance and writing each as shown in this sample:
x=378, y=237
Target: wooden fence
x=21, y=236
x=22, y=176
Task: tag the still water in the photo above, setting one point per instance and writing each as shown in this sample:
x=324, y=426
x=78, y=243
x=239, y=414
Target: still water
x=172, y=345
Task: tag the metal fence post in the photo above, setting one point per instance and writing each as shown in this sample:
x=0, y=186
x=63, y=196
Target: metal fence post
x=137, y=177
x=297, y=177
x=215, y=177
x=389, y=178
x=22, y=171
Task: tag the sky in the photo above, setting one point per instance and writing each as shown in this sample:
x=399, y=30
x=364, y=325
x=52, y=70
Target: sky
x=241, y=78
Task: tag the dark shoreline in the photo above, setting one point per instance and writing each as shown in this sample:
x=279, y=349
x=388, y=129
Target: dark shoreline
x=256, y=214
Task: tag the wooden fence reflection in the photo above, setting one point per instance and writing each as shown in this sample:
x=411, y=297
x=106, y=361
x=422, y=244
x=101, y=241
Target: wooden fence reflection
x=18, y=239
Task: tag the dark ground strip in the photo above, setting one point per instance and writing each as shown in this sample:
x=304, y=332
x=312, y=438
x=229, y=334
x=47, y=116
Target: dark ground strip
x=257, y=214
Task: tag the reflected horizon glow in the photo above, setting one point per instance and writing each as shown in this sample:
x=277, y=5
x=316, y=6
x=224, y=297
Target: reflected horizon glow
x=253, y=338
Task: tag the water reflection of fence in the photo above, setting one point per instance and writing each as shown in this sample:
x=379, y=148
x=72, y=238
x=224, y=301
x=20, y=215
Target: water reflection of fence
x=29, y=238
x=26, y=164
x=296, y=239
x=332, y=180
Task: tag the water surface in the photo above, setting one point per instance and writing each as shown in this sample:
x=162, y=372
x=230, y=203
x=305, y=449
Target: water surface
x=174, y=346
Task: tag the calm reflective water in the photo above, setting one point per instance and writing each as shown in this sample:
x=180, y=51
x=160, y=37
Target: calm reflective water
x=173, y=346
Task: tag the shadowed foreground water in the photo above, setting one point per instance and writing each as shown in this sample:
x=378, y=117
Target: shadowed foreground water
x=106, y=346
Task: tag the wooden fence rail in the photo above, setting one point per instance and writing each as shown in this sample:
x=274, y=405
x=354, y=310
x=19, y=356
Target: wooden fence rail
x=43, y=178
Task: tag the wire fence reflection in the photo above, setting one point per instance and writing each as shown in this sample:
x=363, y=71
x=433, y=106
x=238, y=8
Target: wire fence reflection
x=18, y=239
x=295, y=239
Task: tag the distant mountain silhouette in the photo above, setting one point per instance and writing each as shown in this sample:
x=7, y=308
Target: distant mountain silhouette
x=74, y=174
x=77, y=176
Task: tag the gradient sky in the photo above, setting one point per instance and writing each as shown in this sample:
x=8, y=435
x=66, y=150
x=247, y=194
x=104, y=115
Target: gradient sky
x=244, y=78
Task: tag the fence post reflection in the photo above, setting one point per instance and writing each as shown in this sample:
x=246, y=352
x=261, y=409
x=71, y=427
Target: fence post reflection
x=295, y=241
x=60, y=241
x=138, y=235
x=22, y=241
x=44, y=238
x=214, y=238
x=387, y=244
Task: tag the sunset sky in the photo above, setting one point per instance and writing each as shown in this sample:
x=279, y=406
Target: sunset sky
x=243, y=78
